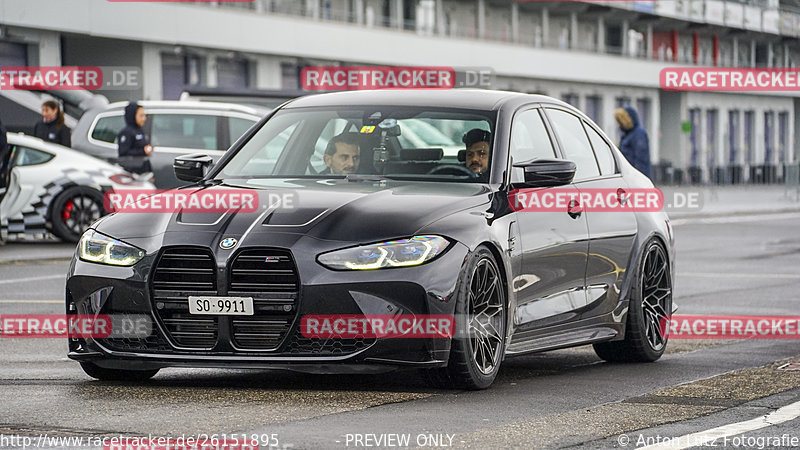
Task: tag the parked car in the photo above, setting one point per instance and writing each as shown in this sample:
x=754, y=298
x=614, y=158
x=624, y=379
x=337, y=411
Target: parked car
x=414, y=233
x=57, y=190
x=175, y=128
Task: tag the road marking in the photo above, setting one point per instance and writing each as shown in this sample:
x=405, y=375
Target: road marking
x=22, y=280
x=49, y=302
x=701, y=438
x=735, y=219
x=792, y=276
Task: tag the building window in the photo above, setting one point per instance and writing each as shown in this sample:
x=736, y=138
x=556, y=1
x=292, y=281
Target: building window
x=711, y=139
x=749, y=137
x=12, y=54
x=594, y=108
x=233, y=73
x=783, y=136
x=694, y=119
x=733, y=134
x=769, y=143
x=643, y=108
x=179, y=72
x=290, y=76
x=572, y=99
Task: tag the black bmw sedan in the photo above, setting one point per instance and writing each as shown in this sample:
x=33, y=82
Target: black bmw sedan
x=379, y=217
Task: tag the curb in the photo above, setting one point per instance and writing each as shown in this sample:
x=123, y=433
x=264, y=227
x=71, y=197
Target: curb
x=733, y=214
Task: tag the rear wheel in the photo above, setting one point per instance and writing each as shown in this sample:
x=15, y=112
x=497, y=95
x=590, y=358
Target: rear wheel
x=74, y=210
x=479, y=342
x=650, y=306
x=101, y=373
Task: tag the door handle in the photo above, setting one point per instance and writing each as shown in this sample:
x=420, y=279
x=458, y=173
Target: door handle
x=623, y=199
x=574, y=209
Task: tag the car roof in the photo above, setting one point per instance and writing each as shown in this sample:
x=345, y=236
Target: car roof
x=481, y=99
x=192, y=105
x=24, y=139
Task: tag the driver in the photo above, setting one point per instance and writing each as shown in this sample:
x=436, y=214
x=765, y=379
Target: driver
x=478, y=148
x=342, y=154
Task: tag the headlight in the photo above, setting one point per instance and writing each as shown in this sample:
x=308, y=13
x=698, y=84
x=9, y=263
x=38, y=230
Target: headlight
x=401, y=253
x=99, y=248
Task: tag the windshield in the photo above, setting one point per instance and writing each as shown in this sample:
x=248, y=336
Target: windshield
x=391, y=142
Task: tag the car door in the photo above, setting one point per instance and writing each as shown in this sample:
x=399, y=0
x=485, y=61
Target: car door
x=29, y=172
x=611, y=233
x=549, y=287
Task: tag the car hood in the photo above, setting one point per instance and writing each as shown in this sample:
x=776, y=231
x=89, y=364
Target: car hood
x=335, y=210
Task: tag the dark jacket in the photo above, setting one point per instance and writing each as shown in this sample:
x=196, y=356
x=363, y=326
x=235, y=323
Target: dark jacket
x=51, y=132
x=635, y=144
x=131, y=142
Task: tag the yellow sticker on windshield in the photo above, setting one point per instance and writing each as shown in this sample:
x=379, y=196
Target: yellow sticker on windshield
x=367, y=129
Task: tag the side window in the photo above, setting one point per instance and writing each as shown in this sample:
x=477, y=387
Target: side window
x=263, y=162
x=602, y=151
x=529, y=140
x=184, y=131
x=237, y=127
x=28, y=157
x=574, y=142
x=107, y=128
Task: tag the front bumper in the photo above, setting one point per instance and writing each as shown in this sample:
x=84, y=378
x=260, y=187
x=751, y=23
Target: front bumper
x=273, y=338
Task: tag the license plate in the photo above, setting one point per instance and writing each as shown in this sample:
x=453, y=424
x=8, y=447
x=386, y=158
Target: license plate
x=225, y=306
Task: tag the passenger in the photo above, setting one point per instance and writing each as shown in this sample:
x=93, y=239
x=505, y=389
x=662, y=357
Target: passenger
x=51, y=128
x=478, y=150
x=342, y=154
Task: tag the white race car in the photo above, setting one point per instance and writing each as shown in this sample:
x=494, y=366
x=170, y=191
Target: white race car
x=56, y=189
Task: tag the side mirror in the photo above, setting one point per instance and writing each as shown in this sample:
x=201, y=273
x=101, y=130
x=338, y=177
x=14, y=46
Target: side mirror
x=192, y=167
x=547, y=172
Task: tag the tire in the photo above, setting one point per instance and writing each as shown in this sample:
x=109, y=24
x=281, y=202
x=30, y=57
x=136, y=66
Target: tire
x=650, y=305
x=74, y=210
x=477, y=348
x=101, y=373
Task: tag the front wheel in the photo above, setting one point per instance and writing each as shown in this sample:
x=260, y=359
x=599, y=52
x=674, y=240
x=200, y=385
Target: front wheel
x=479, y=342
x=101, y=373
x=649, y=307
x=74, y=210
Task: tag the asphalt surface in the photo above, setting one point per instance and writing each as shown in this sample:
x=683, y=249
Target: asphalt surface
x=737, y=264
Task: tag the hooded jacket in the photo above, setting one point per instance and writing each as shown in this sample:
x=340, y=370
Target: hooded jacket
x=635, y=145
x=52, y=132
x=132, y=139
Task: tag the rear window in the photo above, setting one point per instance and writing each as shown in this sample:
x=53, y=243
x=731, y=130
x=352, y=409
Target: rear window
x=184, y=131
x=29, y=157
x=107, y=128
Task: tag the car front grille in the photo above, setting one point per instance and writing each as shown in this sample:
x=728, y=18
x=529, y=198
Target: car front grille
x=263, y=270
x=270, y=277
x=179, y=273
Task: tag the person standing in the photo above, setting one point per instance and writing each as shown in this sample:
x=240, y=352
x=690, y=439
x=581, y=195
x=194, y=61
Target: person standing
x=133, y=143
x=51, y=128
x=635, y=144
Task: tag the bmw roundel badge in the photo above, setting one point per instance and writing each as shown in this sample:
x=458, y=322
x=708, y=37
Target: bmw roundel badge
x=227, y=243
